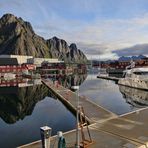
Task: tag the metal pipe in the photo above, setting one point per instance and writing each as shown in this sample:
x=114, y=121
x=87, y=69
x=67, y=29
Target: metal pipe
x=77, y=120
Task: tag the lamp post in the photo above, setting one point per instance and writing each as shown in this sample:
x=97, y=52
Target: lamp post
x=76, y=88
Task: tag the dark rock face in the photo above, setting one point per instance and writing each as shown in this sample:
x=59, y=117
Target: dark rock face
x=58, y=48
x=76, y=54
x=17, y=103
x=18, y=37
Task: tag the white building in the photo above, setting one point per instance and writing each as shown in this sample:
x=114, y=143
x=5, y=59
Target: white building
x=39, y=61
x=20, y=58
x=31, y=60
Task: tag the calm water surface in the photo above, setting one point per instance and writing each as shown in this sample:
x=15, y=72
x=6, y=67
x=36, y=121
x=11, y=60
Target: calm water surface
x=116, y=98
x=23, y=110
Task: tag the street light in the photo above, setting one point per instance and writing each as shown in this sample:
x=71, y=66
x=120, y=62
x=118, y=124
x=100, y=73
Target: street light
x=77, y=116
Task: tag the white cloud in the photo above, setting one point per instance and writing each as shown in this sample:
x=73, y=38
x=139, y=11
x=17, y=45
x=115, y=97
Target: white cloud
x=133, y=50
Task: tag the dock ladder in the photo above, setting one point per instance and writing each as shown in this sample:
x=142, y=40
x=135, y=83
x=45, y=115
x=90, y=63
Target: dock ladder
x=83, y=123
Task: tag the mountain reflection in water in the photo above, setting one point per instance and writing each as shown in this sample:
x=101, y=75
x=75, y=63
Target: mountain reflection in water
x=136, y=97
x=16, y=102
x=69, y=81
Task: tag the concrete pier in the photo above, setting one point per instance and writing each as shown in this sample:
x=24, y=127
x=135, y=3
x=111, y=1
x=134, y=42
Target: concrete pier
x=108, y=78
x=101, y=140
x=132, y=126
x=107, y=129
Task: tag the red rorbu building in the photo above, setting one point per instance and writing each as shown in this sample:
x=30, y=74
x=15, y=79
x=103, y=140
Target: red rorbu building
x=142, y=62
x=10, y=65
x=123, y=64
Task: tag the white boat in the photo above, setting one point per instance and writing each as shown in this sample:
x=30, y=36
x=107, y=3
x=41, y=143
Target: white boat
x=75, y=87
x=136, y=78
x=103, y=72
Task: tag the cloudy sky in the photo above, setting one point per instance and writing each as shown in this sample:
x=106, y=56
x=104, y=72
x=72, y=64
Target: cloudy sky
x=100, y=28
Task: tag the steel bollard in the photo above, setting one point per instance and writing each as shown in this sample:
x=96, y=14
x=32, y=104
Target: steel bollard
x=45, y=132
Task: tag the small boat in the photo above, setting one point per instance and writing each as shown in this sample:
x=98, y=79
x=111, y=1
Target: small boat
x=103, y=72
x=136, y=78
x=75, y=87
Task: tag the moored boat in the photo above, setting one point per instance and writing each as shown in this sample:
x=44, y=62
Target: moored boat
x=136, y=78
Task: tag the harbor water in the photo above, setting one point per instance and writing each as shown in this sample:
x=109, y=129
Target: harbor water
x=23, y=110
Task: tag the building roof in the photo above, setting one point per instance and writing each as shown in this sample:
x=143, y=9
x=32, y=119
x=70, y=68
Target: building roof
x=8, y=61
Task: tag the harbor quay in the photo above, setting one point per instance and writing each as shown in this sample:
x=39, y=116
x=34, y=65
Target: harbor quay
x=115, y=79
x=107, y=129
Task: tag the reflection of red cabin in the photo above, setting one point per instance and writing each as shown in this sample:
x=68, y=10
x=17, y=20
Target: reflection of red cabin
x=15, y=82
x=16, y=68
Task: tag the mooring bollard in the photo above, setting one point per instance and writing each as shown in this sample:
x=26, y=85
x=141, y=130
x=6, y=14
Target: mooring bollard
x=45, y=132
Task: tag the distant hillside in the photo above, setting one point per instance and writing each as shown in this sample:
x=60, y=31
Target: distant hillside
x=18, y=37
x=123, y=58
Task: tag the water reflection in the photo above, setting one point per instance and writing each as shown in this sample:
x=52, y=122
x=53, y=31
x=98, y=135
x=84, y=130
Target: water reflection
x=68, y=81
x=19, y=82
x=19, y=97
x=136, y=97
x=18, y=102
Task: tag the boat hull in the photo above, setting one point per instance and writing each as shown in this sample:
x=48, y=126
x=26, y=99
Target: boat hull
x=135, y=83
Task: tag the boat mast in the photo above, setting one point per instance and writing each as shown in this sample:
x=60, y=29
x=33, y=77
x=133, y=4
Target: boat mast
x=99, y=65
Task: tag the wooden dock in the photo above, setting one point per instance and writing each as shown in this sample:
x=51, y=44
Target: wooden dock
x=107, y=129
x=94, y=114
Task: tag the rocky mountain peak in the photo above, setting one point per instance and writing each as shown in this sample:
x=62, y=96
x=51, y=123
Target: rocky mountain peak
x=73, y=46
x=55, y=38
x=8, y=18
x=11, y=20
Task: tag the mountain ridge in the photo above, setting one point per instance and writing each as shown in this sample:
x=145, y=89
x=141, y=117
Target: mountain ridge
x=18, y=37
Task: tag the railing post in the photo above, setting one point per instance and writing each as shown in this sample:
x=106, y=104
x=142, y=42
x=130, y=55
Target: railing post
x=45, y=132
